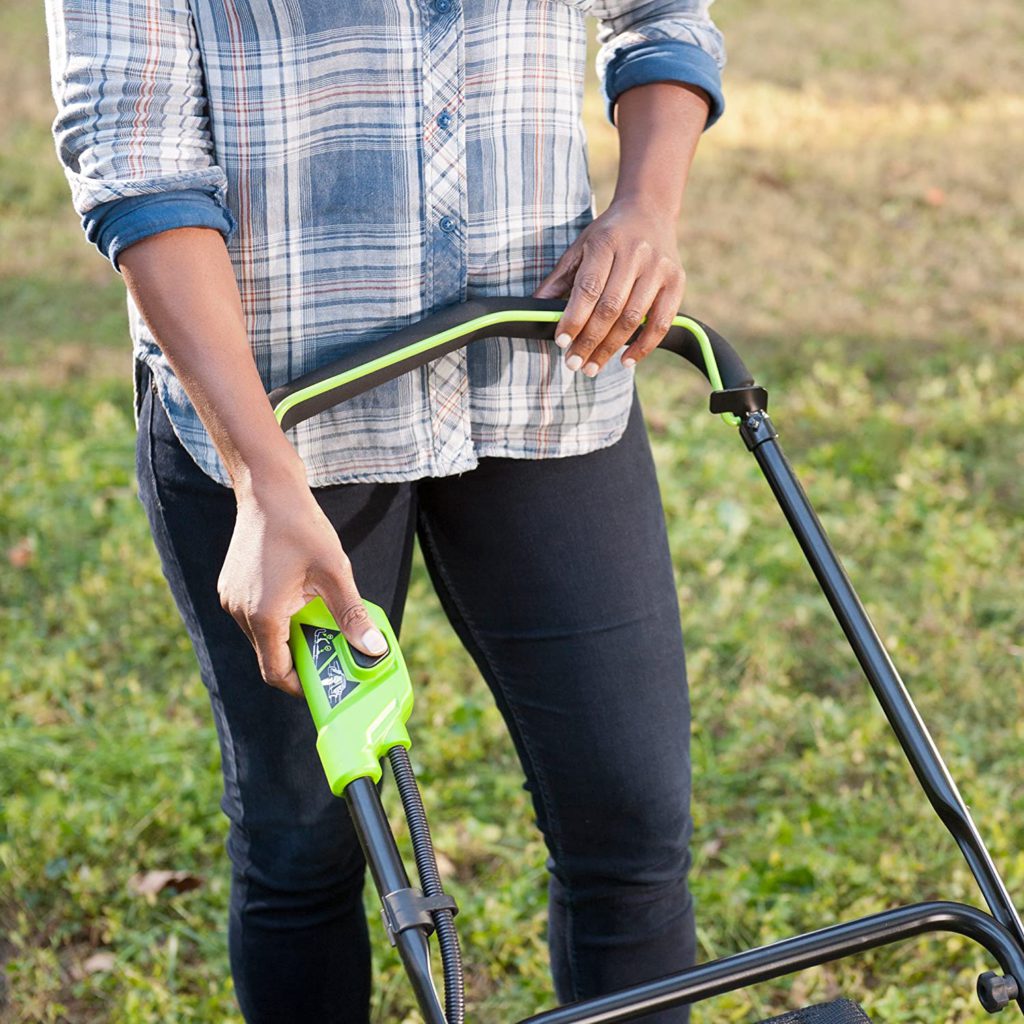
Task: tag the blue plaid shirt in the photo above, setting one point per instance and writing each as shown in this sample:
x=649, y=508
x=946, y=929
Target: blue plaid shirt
x=368, y=161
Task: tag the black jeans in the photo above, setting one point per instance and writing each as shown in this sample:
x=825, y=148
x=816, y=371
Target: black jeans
x=556, y=576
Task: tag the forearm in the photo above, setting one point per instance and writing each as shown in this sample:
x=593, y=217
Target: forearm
x=659, y=126
x=184, y=285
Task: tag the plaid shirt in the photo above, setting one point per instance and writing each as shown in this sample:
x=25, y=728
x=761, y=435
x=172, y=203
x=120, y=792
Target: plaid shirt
x=381, y=159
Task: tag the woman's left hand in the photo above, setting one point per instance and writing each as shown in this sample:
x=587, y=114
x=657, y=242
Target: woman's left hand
x=623, y=267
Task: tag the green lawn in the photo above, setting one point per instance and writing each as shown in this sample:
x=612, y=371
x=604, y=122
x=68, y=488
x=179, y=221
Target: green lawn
x=856, y=225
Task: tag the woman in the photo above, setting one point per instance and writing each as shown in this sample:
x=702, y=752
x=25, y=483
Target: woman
x=283, y=179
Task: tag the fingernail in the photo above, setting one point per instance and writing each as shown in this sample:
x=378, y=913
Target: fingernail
x=629, y=362
x=374, y=642
x=574, y=362
x=563, y=340
x=591, y=369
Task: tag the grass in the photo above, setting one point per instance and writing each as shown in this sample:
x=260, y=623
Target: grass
x=856, y=224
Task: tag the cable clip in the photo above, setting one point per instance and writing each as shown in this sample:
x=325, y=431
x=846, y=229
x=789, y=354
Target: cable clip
x=409, y=908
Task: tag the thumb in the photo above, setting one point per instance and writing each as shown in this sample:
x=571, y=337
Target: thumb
x=342, y=598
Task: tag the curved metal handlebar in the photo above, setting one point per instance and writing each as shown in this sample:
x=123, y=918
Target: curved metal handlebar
x=458, y=325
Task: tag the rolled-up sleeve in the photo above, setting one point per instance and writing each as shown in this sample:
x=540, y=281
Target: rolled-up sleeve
x=659, y=41
x=131, y=108
x=115, y=226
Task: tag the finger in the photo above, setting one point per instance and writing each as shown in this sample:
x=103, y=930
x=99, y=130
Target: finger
x=659, y=320
x=645, y=291
x=604, y=313
x=588, y=285
x=342, y=598
x=559, y=281
x=235, y=612
x=269, y=635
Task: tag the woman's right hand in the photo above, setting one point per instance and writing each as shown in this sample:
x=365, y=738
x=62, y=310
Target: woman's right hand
x=283, y=553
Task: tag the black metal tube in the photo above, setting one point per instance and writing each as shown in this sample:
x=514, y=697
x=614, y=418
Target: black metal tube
x=790, y=955
x=389, y=875
x=889, y=688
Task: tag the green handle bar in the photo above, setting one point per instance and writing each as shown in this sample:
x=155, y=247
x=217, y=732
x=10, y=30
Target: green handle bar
x=456, y=326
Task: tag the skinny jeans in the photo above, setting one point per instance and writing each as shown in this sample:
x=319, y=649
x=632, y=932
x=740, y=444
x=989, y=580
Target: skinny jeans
x=556, y=576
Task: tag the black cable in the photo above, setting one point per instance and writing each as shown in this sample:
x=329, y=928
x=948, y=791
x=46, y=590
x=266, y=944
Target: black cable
x=430, y=882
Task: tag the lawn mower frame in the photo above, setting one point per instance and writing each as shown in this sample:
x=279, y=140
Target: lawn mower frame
x=741, y=402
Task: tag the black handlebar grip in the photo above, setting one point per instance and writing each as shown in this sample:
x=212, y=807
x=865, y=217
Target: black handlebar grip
x=314, y=392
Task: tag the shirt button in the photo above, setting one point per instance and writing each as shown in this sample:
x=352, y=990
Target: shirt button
x=447, y=225
x=444, y=119
x=442, y=5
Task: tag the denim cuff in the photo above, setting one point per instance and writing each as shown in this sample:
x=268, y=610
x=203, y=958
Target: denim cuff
x=113, y=226
x=664, y=60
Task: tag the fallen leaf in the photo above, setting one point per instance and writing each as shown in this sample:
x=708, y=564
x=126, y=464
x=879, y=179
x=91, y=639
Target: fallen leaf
x=99, y=962
x=769, y=180
x=656, y=423
x=445, y=867
x=153, y=883
x=21, y=553
x=935, y=196
x=712, y=847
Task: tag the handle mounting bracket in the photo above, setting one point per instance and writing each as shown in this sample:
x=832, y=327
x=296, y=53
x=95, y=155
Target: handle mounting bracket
x=740, y=401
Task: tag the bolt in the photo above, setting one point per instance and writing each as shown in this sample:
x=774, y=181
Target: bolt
x=995, y=991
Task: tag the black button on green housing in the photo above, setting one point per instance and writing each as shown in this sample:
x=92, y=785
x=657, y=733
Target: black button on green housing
x=364, y=660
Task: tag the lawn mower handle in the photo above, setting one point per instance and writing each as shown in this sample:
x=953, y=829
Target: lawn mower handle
x=456, y=326
x=735, y=396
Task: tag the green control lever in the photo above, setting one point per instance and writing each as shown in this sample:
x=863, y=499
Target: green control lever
x=359, y=703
